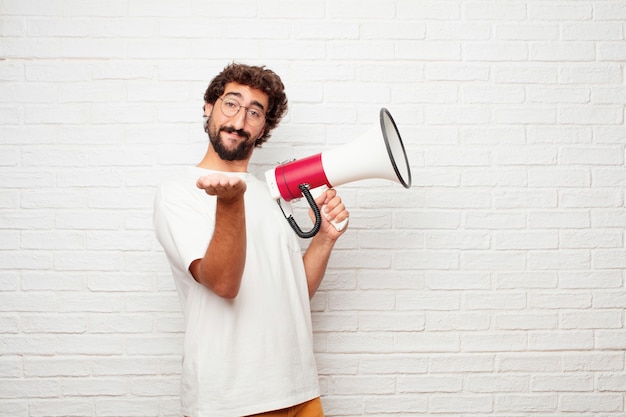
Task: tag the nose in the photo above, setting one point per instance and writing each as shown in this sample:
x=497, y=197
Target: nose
x=239, y=119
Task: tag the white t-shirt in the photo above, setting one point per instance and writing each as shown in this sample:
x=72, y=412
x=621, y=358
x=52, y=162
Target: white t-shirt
x=253, y=353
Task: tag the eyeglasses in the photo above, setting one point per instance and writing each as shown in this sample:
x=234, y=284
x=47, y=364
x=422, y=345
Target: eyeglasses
x=230, y=107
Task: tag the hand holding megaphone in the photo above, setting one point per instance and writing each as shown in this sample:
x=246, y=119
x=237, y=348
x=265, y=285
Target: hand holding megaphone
x=366, y=157
x=339, y=225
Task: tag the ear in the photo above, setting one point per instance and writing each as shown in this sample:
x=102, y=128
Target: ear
x=208, y=109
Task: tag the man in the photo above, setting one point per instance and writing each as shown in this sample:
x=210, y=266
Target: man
x=243, y=282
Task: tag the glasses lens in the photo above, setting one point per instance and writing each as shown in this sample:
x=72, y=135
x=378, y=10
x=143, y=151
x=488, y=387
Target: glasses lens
x=254, y=117
x=230, y=107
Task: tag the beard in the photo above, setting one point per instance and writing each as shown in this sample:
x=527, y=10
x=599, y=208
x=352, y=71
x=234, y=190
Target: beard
x=241, y=152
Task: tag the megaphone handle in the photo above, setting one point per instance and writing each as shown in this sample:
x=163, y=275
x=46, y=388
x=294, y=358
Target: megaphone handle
x=338, y=225
x=316, y=211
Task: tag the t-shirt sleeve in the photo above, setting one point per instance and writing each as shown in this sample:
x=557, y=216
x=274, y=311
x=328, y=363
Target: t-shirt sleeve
x=182, y=224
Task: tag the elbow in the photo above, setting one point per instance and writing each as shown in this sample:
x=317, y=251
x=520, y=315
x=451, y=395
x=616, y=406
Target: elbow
x=228, y=293
x=227, y=288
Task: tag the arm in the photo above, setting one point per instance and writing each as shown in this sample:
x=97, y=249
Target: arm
x=221, y=268
x=318, y=253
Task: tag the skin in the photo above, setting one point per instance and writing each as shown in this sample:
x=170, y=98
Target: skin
x=221, y=268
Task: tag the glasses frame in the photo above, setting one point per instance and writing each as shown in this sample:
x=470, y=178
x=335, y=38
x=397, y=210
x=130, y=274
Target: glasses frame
x=248, y=119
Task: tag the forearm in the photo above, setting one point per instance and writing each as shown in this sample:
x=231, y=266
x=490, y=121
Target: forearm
x=316, y=261
x=221, y=268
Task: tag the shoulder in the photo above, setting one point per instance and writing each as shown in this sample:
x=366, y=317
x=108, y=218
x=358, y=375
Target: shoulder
x=179, y=189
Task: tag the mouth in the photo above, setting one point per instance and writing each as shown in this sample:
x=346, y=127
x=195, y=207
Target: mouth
x=233, y=134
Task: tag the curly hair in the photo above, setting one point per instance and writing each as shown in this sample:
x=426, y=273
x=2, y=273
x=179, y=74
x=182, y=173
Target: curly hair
x=257, y=77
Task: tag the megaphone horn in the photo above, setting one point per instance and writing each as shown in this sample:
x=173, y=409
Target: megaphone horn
x=363, y=158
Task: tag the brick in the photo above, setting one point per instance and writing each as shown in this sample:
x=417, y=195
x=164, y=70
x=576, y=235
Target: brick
x=29, y=388
x=605, y=319
x=82, y=387
x=494, y=342
x=562, y=260
x=526, y=321
x=360, y=300
x=403, y=322
x=527, y=403
x=593, y=361
x=449, y=30
x=559, y=177
x=592, y=31
x=357, y=9
x=344, y=342
x=533, y=362
x=527, y=31
x=611, y=51
x=559, y=300
x=121, y=366
x=126, y=407
x=456, y=321
x=562, y=52
x=559, y=219
x=61, y=407
x=600, y=198
x=418, y=301
x=471, y=363
x=496, y=51
x=460, y=403
x=612, y=382
x=502, y=261
x=592, y=402
x=155, y=386
x=602, y=115
x=607, y=73
x=434, y=342
x=38, y=367
x=429, y=384
x=579, y=239
x=560, y=340
x=560, y=134
x=53, y=324
x=560, y=11
x=456, y=72
x=495, y=220
x=526, y=279
x=351, y=385
x=431, y=10
x=408, y=404
x=14, y=407
x=393, y=364
x=610, y=340
x=497, y=383
x=530, y=240
x=541, y=94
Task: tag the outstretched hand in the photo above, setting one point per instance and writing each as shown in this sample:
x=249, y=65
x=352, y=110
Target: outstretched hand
x=222, y=186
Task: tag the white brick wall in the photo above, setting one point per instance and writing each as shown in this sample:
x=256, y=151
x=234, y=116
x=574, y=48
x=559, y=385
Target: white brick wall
x=494, y=287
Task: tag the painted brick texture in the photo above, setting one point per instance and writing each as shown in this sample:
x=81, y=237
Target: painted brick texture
x=494, y=287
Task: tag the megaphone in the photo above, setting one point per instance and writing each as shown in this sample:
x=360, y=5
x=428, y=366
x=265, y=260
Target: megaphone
x=363, y=158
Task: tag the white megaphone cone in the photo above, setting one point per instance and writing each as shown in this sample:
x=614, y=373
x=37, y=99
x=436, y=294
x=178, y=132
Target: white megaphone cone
x=363, y=158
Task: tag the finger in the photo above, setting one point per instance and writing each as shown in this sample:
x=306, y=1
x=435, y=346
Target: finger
x=331, y=193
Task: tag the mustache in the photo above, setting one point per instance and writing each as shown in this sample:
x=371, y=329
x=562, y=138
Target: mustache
x=239, y=132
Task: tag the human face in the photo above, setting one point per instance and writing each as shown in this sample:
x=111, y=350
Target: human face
x=232, y=137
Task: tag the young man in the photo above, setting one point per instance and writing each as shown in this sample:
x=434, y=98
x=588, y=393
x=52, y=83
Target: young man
x=243, y=282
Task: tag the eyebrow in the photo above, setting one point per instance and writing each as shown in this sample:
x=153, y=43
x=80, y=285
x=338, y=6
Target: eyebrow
x=239, y=95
